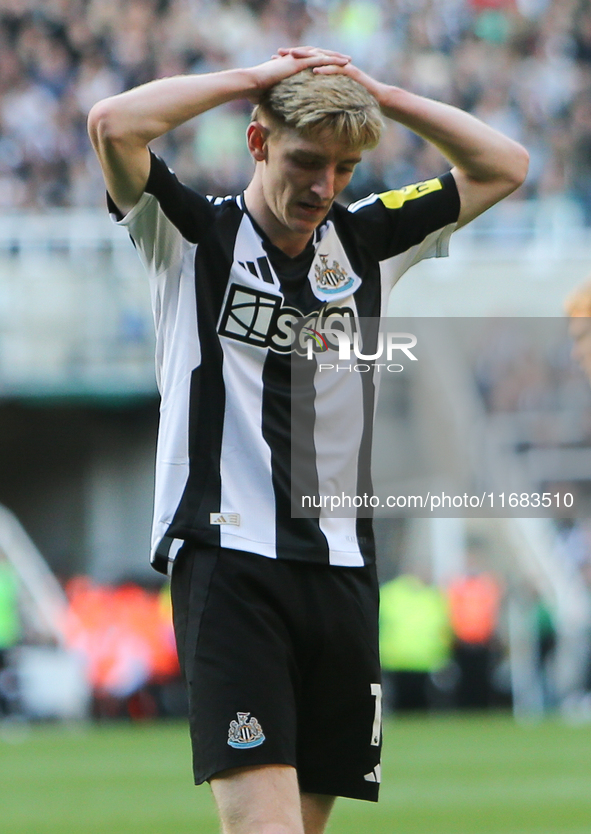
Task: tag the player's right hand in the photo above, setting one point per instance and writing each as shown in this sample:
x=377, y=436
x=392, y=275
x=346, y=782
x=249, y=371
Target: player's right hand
x=289, y=61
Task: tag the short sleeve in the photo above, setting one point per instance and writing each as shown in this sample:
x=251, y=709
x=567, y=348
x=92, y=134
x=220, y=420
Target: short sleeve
x=167, y=215
x=396, y=221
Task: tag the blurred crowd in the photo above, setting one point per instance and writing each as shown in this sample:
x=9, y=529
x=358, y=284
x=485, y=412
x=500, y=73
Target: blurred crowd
x=125, y=637
x=119, y=640
x=523, y=66
x=526, y=366
x=440, y=647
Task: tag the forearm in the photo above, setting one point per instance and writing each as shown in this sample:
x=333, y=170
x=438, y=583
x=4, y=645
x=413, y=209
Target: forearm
x=121, y=127
x=487, y=166
x=144, y=113
x=478, y=150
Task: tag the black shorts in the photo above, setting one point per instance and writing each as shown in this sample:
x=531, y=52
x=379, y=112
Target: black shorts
x=282, y=666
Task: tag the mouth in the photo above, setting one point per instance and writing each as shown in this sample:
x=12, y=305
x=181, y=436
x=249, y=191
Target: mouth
x=313, y=208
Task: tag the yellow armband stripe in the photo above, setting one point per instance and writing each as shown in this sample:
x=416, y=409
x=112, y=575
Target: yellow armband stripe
x=396, y=199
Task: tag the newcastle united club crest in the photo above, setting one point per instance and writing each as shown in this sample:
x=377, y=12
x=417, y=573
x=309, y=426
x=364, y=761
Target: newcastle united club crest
x=331, y=279
x=246, y=732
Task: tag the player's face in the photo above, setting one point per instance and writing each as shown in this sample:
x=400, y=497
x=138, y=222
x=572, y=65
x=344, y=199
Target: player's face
x=302, y=177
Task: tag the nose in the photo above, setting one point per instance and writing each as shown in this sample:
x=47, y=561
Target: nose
x=324, y=185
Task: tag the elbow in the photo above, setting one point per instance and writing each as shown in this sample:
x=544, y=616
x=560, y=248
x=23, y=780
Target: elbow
x=99, y=123
x=517, y=167
x=104, y=124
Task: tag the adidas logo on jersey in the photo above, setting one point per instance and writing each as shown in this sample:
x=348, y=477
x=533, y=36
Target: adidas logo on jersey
x=225, y=518
x=258, y=318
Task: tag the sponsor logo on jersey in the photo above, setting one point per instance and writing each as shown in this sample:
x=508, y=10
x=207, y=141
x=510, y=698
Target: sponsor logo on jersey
x=225, y=518
x=331, y=279
x=246, y=732
x=258, y=318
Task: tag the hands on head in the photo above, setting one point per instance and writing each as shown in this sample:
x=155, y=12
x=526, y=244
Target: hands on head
x=291, y=60
x=288, y=61
x=314, y=54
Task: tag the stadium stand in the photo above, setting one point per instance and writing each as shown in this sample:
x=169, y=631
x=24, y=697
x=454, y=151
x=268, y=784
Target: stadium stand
x=78, y=403
x=522, y=65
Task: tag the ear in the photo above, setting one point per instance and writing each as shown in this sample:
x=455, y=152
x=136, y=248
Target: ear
x=256, y=139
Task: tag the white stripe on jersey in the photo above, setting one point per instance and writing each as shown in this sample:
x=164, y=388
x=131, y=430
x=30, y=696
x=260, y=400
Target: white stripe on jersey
x=217, y=201
x=341, y=533
x=245, y=465
x=178, y=357
x=366, y=201
x=337, y=431
x=178, y=351
x=435, y=245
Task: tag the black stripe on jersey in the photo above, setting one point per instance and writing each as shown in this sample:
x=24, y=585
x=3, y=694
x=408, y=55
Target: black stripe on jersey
x=296, y=538
x=368, y=302
x=265, y=270
x=262, y=273
x=191, y=213
x=160, y=561
x=202, y=495
x=363, y=526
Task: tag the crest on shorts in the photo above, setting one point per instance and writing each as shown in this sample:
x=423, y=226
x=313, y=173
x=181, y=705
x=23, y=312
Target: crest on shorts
x=331, y=279
x=246, y=732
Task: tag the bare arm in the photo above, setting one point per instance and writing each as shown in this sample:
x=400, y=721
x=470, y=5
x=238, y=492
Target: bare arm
x=487, y=165
x=122, y=126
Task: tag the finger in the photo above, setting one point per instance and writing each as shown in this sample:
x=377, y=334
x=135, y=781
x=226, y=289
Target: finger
x=328, y=61
x=329, y=69
x=308, y=51
x=295, y=51
x=290, y=50
x=334, y=54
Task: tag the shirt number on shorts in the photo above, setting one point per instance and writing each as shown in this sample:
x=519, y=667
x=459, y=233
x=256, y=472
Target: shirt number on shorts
x=376, y=730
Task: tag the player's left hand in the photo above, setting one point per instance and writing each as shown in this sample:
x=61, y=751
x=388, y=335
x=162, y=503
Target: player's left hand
x=313, y=51
x=287, y=62
x=335, y=63
x=376, y=88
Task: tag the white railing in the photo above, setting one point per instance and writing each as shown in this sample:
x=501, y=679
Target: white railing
x=68, y=230
x=43, y=600
x=75, y=316
x=551, y=221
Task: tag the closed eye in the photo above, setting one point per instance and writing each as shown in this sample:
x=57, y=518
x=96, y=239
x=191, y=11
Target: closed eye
x=308, y=162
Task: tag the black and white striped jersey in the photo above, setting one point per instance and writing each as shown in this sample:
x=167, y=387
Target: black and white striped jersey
x=225, y=303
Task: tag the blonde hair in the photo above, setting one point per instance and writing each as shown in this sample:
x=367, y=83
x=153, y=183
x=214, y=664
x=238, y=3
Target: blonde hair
x=311, y=103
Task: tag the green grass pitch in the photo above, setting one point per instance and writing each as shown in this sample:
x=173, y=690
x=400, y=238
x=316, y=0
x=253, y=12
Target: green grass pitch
x=441, y=775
